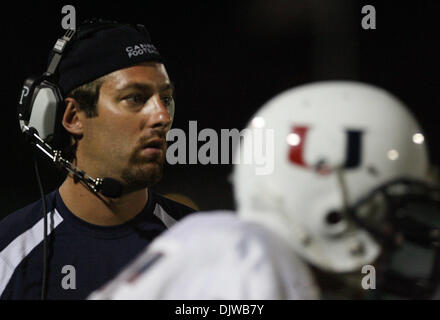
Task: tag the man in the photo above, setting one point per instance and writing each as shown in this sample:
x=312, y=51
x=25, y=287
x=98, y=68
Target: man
x=118, y=109
x=350, y=163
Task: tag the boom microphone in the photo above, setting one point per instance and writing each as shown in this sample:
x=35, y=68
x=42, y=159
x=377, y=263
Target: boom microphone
x=111, y=188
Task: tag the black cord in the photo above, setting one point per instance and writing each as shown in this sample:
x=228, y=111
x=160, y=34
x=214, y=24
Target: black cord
x=44, y=211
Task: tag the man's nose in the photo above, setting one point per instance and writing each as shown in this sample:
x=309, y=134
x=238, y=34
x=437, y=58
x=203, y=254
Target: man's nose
x=157, y=114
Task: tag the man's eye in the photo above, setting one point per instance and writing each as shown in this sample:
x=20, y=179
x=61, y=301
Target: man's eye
x=167, y=101
x=135, y=98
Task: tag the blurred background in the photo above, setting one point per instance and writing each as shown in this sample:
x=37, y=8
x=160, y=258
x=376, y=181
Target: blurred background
x=226, y=59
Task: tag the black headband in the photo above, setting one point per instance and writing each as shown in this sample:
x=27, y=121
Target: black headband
x=101, y=50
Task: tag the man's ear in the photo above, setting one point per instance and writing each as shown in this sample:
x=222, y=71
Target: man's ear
x=72, y=118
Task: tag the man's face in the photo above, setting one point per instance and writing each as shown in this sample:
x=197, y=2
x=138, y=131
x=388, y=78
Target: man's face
x=127, y=140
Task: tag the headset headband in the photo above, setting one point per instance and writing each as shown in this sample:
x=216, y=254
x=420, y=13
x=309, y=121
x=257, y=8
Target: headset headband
x=87, y=28
x=58, y=50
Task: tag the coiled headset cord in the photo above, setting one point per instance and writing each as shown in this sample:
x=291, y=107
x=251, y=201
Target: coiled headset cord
x=44, y=211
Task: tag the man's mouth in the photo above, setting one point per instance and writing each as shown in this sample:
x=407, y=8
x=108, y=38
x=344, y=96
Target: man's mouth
x=154, y=144
x=153, y=147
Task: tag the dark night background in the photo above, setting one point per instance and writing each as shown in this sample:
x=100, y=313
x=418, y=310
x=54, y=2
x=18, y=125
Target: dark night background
x=226, y=59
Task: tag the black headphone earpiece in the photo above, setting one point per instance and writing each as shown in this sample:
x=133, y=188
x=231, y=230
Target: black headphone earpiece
x=38, y=106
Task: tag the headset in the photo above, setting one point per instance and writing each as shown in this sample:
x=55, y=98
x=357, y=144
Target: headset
x=40, y=109
x=41, y=103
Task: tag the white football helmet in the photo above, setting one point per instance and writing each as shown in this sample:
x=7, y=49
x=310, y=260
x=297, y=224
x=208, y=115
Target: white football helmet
x=334, y=143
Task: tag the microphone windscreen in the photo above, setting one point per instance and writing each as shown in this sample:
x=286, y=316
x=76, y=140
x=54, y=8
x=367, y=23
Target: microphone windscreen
x=29, y=134
x=111, y=188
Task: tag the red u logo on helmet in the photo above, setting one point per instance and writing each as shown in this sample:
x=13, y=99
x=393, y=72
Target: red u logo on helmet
x=352, y=150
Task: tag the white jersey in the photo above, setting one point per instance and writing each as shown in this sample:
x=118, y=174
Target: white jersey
x=214, y=255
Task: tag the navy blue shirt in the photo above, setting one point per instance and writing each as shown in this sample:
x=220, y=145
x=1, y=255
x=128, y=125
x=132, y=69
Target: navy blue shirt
x=81, y=256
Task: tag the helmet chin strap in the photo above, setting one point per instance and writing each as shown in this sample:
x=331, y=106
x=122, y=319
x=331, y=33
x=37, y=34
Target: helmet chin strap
x=357, y=247
x=343, y=188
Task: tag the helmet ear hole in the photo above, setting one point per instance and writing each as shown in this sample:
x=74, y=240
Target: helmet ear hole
x=333, y=217
x=335, y=223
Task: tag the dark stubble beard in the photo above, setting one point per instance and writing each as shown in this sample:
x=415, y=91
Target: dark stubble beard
x=137, y=175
